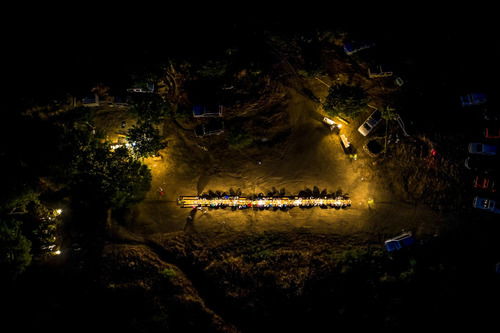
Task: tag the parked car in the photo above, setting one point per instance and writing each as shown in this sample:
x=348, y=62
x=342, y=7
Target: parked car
x=404, y=240
x=213, y=127
x=485, y=204
x=473, y=99
x=331, y=123
x=373, y=120
x=482, y=148
x=485, y=183
x=491, y=115
x=485, y=164
x=492, y=132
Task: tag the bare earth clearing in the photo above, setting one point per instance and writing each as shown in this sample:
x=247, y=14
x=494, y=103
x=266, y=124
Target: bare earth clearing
x=310, y=156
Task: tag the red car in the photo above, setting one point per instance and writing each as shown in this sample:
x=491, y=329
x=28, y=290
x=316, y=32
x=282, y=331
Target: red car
x=485, y=183
x=492, y=132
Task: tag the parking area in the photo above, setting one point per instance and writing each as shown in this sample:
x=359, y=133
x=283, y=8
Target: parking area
x=482, y=161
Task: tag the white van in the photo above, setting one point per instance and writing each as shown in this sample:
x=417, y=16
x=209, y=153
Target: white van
x=373, y=120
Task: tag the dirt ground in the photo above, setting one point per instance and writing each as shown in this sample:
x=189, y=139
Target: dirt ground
x=306, y=155
x=310, y=156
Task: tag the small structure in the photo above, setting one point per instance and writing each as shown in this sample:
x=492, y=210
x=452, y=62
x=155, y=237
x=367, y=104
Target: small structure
x=404, y=240
x=200, y=111
x=379, y=71
x=473, y=99
x=91, y=100
x=120, y=101
x=213, y=127
x=353, y=47
x=146, y=88
x=399, y=81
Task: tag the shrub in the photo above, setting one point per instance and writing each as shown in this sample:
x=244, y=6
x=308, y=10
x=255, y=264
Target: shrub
x=239, y=140
x=168, y=273
x=345, y=100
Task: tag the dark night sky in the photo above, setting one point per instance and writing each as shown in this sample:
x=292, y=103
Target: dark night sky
x=48, y=49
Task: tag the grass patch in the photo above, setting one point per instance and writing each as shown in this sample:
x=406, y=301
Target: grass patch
x=168, y=273
x=239, y=140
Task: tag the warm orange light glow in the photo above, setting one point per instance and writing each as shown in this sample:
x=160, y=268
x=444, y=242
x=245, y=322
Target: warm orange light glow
x=264, y=202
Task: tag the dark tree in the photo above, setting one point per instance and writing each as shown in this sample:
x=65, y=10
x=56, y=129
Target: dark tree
x=40, y=225
x=145, y=139
x=311, y=56
x=239, y=139
x=345, y=100
x=213, y=69
x=149, y=107
x=15, y=248
x=109, y=179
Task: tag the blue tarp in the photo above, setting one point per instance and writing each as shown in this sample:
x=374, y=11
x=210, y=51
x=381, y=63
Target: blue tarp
x=392, y=246
x=353, y=47
x=198, y=110
x=408, y=241
x=398, y=243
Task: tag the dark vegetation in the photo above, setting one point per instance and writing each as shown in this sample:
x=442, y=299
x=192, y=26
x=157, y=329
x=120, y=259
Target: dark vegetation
x=345, y=100
x=221, y=283
x=146, y=139
x=60, y=165
x=273, y=281
x=149, y=108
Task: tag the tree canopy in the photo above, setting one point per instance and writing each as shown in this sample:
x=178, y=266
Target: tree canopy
x=149, y=107
x=146, y=140
x=66, y=163
x=345, y=100
x=15, y=248
x=109, y=179
x=239, y=139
